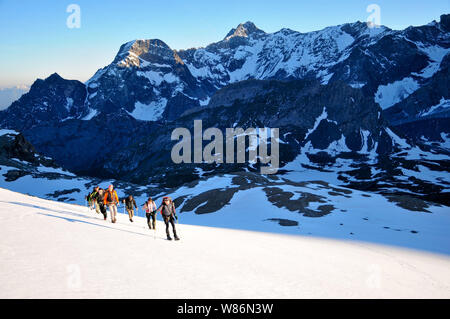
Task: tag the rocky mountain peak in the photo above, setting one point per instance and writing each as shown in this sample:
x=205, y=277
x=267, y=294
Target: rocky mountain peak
x=50, y=80
x=48, y=101
x=53, y=81
x=55, y=77
x=134, y=53
x=358, y=29
x=244, y=30
x=445, y=22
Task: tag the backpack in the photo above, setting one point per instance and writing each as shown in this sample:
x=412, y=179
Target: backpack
x=109, y=197
x=92, y=196
x=130, y=203
x=168, y=210
x=100, y=198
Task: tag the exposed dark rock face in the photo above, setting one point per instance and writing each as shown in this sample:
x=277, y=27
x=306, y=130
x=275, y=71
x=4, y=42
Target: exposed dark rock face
x=64, y=192
x=415, y=106
x=445, y=22
x=21, y=157
x=14, y=174
x=210, y=201
x=99, y=143
x=299, y=104
x=430, y=128
x=178, y=105
x=284, y=222
x=15, y=146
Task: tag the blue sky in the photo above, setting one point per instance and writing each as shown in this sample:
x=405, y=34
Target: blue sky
x=35, y=40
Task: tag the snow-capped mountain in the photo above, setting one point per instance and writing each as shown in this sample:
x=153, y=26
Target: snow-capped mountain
x=151, y=81
x=389, y=64
x=147, y=79
x=325, y=90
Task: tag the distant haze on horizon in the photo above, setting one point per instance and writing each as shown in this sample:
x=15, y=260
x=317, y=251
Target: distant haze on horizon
x=37, y=42
x=9, y=95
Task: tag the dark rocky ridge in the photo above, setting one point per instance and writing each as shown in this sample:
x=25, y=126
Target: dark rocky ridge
x=49, y=101
x=21, y=156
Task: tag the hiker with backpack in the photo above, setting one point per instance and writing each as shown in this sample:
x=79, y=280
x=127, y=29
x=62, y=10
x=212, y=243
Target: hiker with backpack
x=168, y=213
x=89, y=200
x=93, y=199
x=111, y=200
x=100, y=203
x=150, y=212
x=129, y=203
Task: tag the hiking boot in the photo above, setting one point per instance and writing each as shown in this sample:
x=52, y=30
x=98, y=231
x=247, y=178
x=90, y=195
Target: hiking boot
x=176, y=238
x=169, y=238
x=131, y=220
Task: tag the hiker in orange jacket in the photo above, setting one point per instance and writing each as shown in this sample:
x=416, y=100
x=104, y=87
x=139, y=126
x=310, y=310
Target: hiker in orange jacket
x=111, y=200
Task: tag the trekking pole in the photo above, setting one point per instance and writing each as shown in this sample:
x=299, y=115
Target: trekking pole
x=154, y=226
x=178, y=226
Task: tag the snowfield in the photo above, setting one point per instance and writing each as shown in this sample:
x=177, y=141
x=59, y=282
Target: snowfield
x=57, y=250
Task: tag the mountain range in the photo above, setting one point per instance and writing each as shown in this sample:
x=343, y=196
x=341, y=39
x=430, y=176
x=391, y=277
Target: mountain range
x=369, y=97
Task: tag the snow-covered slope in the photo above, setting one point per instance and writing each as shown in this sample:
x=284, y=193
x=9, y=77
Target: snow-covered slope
x=304, y=201
x=298, y=220
x=56, y=250
x=314, y=208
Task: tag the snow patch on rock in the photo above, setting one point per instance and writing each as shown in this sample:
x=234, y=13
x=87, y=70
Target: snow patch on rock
x=390, y=94
x=149, y=112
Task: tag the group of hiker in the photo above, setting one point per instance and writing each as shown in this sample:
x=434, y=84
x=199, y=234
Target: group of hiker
x=100, y=199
